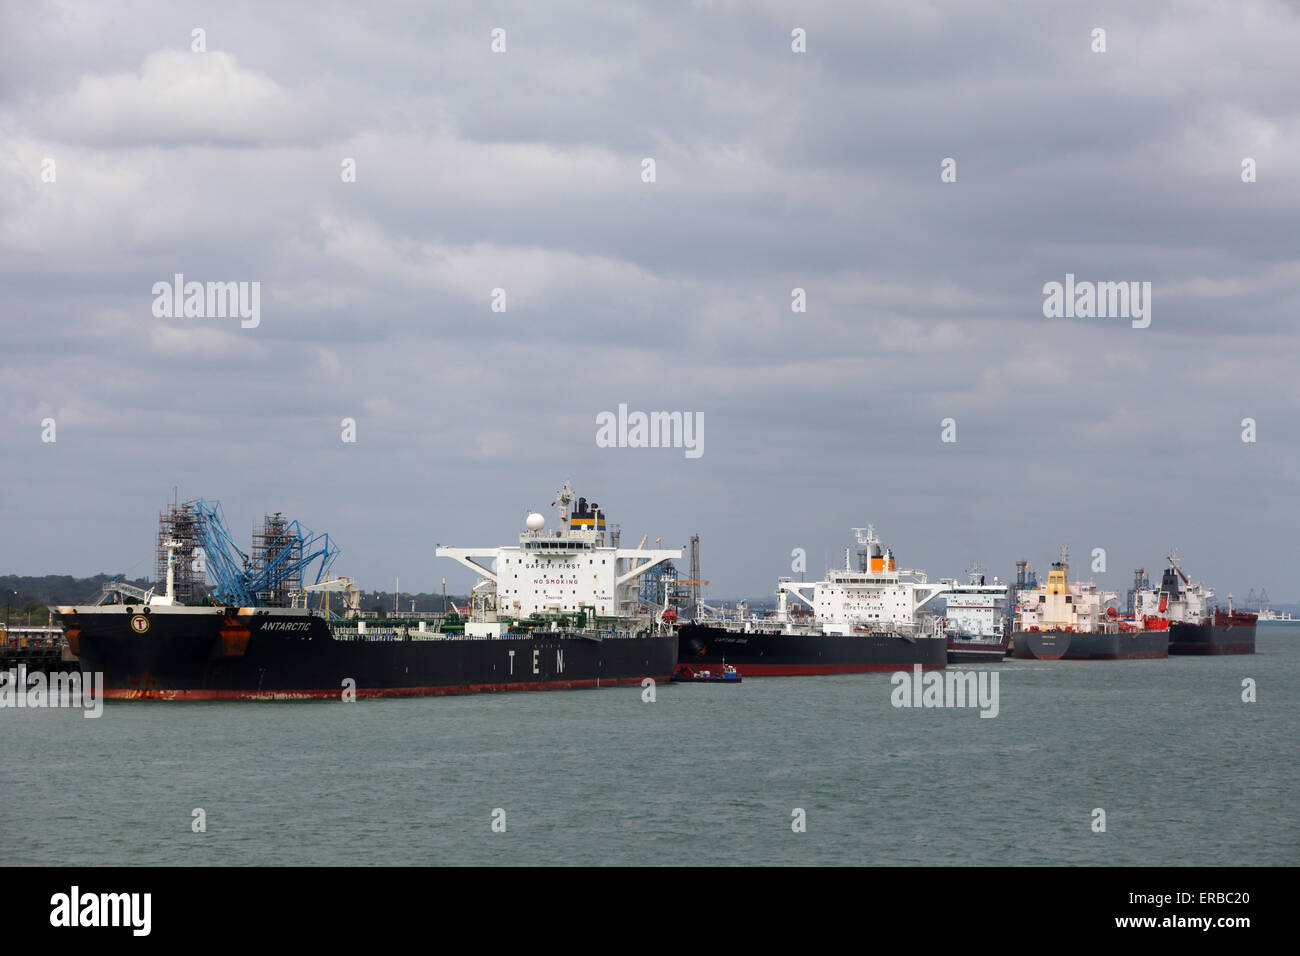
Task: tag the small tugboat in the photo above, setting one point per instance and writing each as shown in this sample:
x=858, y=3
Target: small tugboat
x=686, y=674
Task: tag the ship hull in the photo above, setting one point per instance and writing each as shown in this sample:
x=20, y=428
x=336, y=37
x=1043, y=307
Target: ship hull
x=1041, y=645
x=1223, y=634
x=1139, y=645
x=974, y=652
x=770, y=654
x=211, y=656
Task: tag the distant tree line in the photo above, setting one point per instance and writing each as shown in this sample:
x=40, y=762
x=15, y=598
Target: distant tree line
x=28, y=597
x=382, y=601
x=29, y=593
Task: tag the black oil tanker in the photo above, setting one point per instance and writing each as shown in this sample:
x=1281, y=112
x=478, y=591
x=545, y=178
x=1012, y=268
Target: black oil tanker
x=1182, y=606
x=867, y=616
x=1223, y=632
x=197, y=653
x=559, y=610
x=774, y=654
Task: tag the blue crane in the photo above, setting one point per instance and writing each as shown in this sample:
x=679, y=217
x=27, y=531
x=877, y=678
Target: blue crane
x=296, y=552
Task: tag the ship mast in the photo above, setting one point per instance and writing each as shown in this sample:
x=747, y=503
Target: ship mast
x=562, y=499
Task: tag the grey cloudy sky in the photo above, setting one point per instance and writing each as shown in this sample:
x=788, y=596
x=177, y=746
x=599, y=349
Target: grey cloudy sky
x=775, y=170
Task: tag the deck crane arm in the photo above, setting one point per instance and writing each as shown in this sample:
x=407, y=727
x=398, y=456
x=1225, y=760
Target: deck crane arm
x=1179, y=570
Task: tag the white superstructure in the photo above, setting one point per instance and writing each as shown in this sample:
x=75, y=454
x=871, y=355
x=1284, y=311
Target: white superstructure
x=1061, y=605
x=975, y=609
x=876, y=595
x=1178, y=600
x=570, y=569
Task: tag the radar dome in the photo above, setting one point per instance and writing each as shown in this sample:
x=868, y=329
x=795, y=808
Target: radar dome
x=535, y=521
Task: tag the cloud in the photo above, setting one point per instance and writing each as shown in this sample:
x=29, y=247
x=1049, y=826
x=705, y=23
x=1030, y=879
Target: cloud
x=776, y=170
x=179, y=97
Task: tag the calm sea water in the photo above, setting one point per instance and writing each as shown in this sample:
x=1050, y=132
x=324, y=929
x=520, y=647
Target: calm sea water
x=1186, y=772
